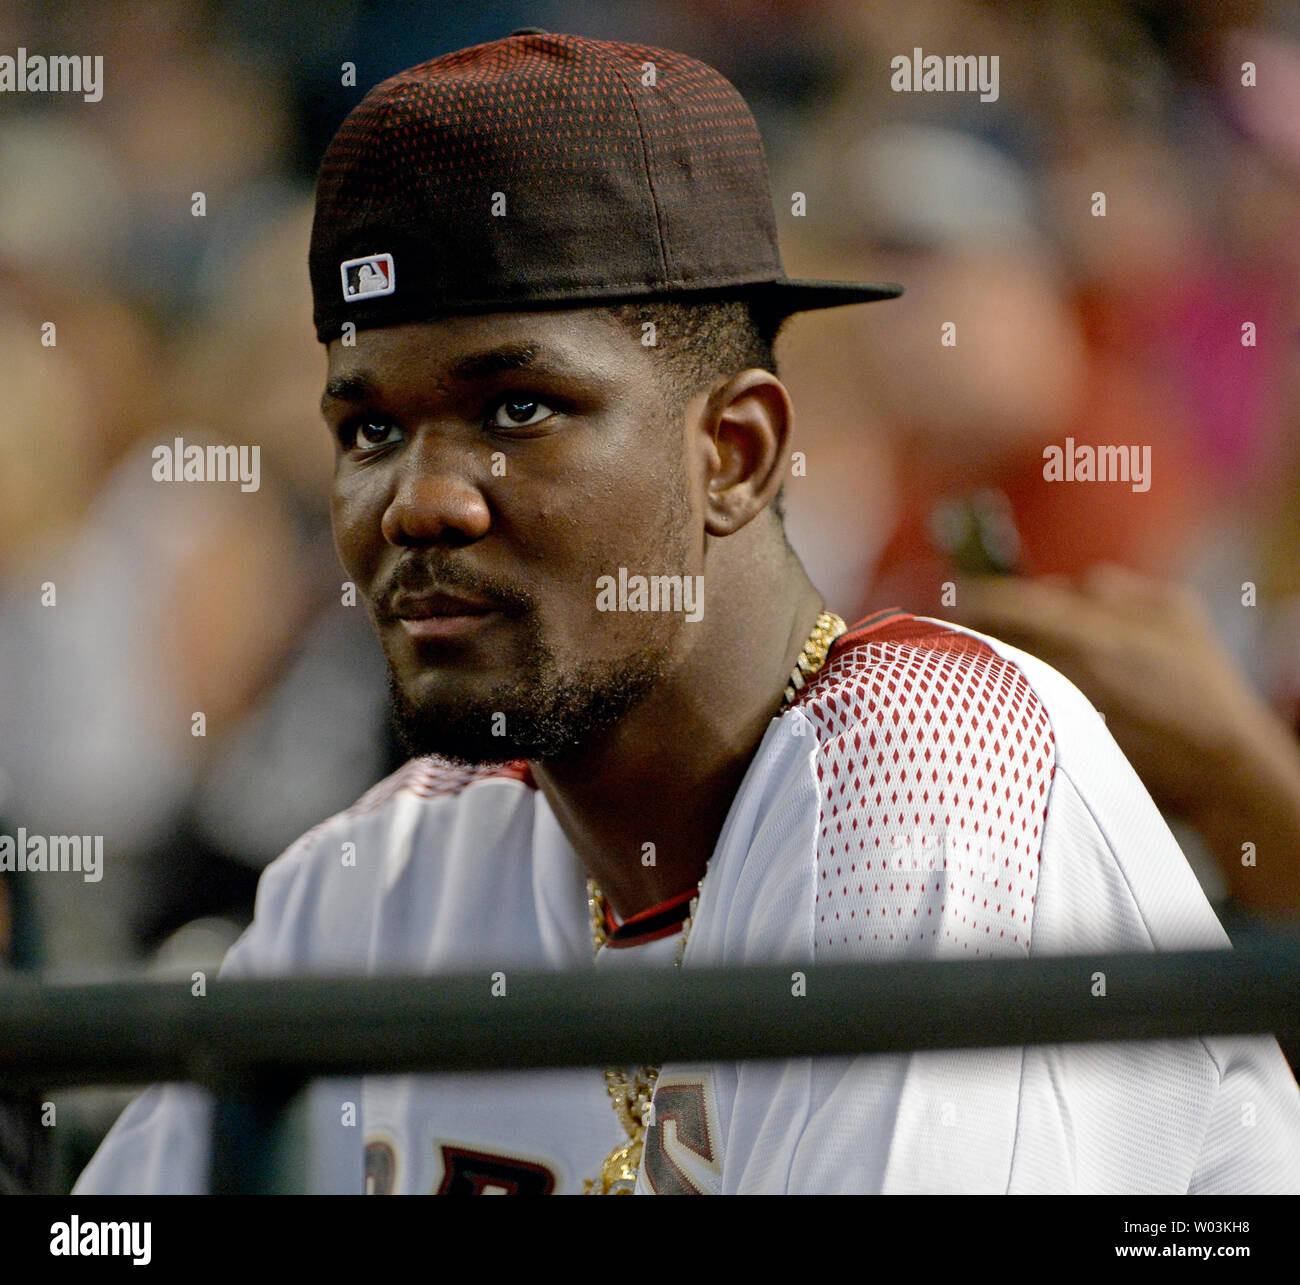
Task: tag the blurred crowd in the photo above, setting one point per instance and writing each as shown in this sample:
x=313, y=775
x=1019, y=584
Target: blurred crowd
x=126, y=605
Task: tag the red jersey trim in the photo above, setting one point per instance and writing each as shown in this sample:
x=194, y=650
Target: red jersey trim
x=870, y=625
x=656, y=921
x=611, y=944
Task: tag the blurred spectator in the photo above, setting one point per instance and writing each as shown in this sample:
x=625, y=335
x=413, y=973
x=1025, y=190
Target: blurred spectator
x=1205, y=745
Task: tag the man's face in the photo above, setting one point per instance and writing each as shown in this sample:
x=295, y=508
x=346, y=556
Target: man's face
x=488, y=470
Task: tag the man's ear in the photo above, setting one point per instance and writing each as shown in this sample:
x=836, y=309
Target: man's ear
x=743, y=431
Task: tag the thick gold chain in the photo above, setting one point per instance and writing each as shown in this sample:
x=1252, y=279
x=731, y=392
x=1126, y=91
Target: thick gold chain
x=631, y=1090
x=828, y=628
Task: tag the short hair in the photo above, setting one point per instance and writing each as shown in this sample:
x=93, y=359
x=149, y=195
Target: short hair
x=701, y=341
x=698, y=342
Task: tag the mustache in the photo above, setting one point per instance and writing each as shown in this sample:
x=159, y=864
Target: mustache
x=418, y=576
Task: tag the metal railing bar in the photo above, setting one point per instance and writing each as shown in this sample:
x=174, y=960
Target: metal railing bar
x=300, y=1027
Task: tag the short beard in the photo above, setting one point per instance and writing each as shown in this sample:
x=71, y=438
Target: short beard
x=538, y=715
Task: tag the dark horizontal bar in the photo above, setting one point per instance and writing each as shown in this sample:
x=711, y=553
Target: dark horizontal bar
x=293, y=1028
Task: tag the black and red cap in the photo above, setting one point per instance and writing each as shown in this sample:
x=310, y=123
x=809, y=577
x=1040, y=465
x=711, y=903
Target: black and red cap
x=548, y=170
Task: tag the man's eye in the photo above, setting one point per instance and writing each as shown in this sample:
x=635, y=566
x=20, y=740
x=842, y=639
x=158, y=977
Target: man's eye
x=519, y=412
x=367, y=434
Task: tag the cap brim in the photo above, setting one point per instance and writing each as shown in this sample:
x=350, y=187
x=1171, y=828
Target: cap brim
x=791, y=295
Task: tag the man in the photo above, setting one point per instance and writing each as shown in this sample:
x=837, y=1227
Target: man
x=561, y=444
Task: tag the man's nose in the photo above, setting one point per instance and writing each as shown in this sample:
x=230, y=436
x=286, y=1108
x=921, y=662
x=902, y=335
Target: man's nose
x=436, y=497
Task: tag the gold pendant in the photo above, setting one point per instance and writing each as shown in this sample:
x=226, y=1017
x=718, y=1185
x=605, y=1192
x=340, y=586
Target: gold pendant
x=618, y=1173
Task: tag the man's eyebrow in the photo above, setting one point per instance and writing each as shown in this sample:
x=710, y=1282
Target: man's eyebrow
x=528, y=355
x=356, y=387
x=360, y=386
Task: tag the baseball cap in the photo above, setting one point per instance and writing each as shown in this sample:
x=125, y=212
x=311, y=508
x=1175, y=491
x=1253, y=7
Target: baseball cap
x=546, y=170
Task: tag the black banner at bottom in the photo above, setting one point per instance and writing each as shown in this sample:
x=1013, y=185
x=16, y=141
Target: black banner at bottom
x=350, y=1236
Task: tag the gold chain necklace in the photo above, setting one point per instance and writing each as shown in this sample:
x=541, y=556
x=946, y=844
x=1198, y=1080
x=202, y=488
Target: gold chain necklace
x=632, y=1090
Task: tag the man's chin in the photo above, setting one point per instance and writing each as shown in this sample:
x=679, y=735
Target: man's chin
x=470, y=734
x=537, y=720
x=422, y=737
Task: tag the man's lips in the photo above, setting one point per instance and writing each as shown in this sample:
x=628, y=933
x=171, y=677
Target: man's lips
x=439, y=615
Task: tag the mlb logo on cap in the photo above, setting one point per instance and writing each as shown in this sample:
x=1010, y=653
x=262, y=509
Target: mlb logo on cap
x=367, y=277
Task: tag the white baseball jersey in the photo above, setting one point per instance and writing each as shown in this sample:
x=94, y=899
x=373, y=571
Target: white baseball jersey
x=931, y=794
